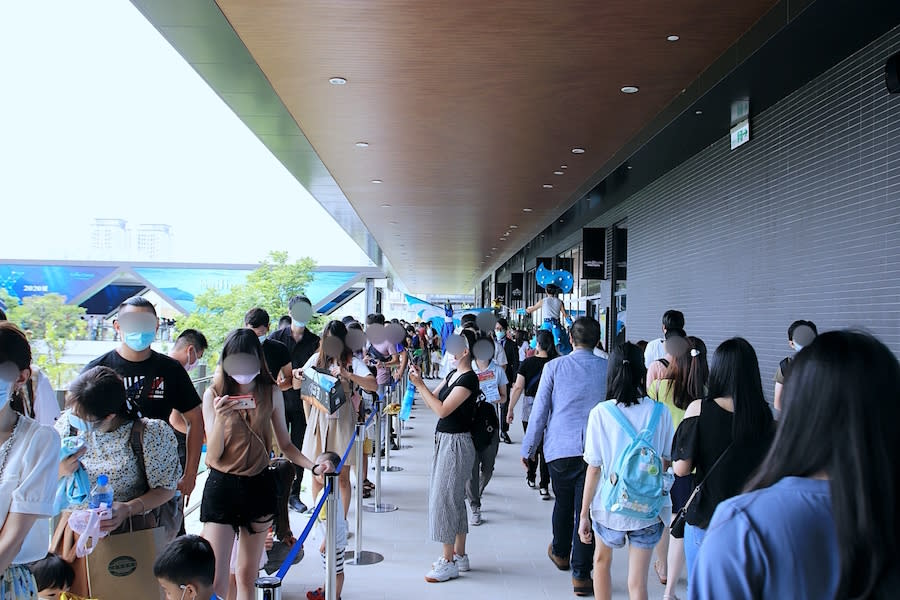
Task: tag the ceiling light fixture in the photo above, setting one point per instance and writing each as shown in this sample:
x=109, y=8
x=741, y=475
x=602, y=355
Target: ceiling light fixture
x=377, y=181
x=673, y=38
x=563, y=167
x=630, y=89
x=527, y=209
x=559, y=172
x=513, y=226
x=385, y=206
x=337, y=81
x=577, y=150
x=547, y=186
x=393, y=222
x=362, y=144
x=698, y=112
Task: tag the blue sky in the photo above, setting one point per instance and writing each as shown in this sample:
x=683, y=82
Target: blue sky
x=100, y=117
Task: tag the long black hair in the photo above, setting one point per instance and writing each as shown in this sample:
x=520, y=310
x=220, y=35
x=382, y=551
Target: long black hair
x=626, y=374
x=545, y=341
x=841, y=409
x=734, y=373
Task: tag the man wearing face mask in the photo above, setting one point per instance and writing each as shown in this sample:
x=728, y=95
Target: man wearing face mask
x=278, y=358
x=301, y=345
x=507, y=356
x=154, y=382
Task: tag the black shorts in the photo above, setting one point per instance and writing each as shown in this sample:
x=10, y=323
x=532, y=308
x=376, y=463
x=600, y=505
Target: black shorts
x=242, y=502
x=681, y=491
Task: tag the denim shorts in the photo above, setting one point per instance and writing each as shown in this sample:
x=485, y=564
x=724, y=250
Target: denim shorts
x=639, y=538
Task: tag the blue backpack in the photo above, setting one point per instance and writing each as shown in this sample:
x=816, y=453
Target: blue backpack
x=634, y=486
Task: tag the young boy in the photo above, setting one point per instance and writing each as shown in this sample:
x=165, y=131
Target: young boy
x=186, y=569
x=340, y=541
x=53, y=576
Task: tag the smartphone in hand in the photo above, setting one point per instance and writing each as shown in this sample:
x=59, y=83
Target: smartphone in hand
x=245, y=402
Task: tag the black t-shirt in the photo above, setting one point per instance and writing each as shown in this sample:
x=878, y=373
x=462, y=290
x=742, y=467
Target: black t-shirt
x=170, y=388
x=300, y=352
x=460, y=420
x=277, y=355
x=703, y=439
x=531, y=369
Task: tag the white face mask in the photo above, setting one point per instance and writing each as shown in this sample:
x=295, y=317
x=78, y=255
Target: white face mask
x=244, y=379
x=192, y=364
x=9, y=373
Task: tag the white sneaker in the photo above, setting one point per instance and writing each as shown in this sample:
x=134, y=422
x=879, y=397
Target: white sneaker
x=442, y=571
x=462, y=562
x=476, y=517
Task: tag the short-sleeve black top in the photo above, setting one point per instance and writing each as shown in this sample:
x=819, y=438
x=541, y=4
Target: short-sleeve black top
x=703, y=439
x=277, y=355
x=169, y=384
x=531, y=369
x=460, y=420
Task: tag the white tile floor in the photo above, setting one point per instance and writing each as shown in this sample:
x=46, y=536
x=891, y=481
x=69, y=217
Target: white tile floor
x=508, y=552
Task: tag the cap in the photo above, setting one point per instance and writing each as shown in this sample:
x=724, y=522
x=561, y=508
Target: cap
x=102, y=480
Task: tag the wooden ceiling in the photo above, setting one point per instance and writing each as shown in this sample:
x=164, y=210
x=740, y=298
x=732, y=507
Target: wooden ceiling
x=469, y=107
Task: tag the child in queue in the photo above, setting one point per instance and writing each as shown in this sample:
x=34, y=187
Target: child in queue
x=186, y=569
x=332, y=460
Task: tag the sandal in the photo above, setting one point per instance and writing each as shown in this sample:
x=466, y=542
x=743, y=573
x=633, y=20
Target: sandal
x=367, y=493
x=659, y=575
x=368, y=485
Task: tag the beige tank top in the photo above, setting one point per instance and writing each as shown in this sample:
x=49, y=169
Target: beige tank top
x=248, y=438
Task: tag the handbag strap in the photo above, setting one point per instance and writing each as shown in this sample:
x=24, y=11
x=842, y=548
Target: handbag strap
x=705, y=477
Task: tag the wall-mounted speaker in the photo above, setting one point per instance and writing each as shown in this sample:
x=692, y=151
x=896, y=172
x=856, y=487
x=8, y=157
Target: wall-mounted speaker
x=892, y=74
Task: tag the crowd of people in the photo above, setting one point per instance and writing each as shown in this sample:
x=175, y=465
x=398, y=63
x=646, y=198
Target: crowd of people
x=656, y=445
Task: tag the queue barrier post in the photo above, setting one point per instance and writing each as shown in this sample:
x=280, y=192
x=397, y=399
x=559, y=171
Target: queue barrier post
x=331, y=512
x=359, y=556
x=395, y=401
x=268, y=588
x=378, y=506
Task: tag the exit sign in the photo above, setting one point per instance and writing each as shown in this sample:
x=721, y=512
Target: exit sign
x=740, y=134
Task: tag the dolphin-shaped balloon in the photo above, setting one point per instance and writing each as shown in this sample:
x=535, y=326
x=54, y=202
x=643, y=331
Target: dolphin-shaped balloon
x=560, y=278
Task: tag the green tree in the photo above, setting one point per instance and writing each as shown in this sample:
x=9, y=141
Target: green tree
x=49, y=323
x=270, y=286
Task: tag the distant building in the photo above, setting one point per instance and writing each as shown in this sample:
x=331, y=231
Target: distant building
x=153, y=241
x=109, y=238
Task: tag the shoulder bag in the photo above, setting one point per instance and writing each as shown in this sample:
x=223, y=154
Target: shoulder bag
x=678, y=523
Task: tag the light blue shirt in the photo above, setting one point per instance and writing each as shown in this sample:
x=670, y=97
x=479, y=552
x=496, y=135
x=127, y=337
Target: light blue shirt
x=570, y=387
x=779, y=542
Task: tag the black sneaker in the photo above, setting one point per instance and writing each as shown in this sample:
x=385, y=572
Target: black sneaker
x=530, y=482
x=296, y=504
x=505, y=437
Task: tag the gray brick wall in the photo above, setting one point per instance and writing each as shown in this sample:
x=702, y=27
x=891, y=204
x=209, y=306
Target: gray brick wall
x=801, y=222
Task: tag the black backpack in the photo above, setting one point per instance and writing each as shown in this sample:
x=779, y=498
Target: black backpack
x=485, y=424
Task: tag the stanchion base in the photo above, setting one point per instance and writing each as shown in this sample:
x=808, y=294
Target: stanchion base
x=365, y=558
x=379, y=508
x=391, y=469
x=405, y=447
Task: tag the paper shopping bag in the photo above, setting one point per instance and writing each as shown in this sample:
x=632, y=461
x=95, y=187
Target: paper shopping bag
x=121, y=566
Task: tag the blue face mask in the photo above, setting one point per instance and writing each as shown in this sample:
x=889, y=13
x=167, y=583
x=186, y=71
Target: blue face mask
x=500, y=334
x=81, y=425
x=262, y=339
x=6, y=390
x=297, y=323
x=139, y=340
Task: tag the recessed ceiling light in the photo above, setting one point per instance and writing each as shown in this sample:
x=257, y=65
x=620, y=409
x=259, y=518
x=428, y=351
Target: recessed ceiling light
x=385, y=206
x=527, y=209
x=630, y=167
x=494, y=248
x=577, y=150
x=337, y=81
x=563, y=167
x=559, y=172
x=630, y=89
x=393, y=222
x=673, y=38
x=376, y=181
x=362, y=144
x=513, y=226
x=698, y=112
x=547, y=186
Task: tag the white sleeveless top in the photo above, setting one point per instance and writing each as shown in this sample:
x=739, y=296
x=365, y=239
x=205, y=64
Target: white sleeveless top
x=551, y=306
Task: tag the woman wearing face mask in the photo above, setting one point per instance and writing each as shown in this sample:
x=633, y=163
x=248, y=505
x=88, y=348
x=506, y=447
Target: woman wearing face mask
x=28, y=460
x=241, y=409
x=333, y=432
x=454, y=454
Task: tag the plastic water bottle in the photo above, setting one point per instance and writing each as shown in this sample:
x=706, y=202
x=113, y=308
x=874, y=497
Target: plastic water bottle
x=102, y=493
x=406, y=404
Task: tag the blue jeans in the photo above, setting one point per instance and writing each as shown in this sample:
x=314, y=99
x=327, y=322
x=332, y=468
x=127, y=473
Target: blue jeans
x=693, y=537
x=567, y=478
